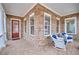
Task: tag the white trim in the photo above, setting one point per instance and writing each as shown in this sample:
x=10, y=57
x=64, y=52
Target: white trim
x=51, y=9
x=45, y=7
x=59, y=24
x=25, y=19
x=11, y=27
x=15, y=19
x=2, y=21
x=32, y=14
x=75, y=24
x=30, y=9
x=57, y=18
x=44, y=23
x=1, y=34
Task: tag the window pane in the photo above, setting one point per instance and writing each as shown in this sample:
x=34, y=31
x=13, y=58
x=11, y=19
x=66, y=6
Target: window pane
x=46, y=32
x=15, y=26
x=32, y=20
x=25, y=26
x=70, y=26
x=32, y=25
x=48, y=29
x=57, y=26
x=47, y=19
x=32, y=29
x=47, y=24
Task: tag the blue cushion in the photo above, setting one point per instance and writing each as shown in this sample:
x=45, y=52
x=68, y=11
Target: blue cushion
x=69, y=37
x=54, y=36
x=63, y=33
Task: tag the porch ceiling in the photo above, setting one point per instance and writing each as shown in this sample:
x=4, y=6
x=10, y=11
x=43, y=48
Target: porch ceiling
x=20, y=9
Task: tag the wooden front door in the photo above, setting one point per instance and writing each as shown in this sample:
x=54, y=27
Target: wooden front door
x=15, y=29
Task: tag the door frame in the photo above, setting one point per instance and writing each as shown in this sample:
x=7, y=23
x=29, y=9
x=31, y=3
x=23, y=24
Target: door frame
x=13, y=25
x=14, y=19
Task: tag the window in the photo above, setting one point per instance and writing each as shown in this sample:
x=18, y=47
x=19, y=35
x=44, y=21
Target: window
x=47, y=29
x=58, y=26
x=4, y=22
x=70, y=25
x=1, y=23
x=5, y=37
x=25, y=24
x=32, y=24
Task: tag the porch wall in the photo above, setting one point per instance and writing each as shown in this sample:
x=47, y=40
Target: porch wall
x=9, y=17
x=39, y=37
x=68, y=16
x=62, y=24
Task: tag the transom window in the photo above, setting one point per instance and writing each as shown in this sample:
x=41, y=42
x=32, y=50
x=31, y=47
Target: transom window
x=47, y=18
x=32, y=24
x=70, y=25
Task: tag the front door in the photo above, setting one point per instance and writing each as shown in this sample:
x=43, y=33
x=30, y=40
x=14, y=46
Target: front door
x=15, y=29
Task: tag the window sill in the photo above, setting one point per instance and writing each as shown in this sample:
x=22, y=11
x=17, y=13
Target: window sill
x=72, y=33
x=47, y=35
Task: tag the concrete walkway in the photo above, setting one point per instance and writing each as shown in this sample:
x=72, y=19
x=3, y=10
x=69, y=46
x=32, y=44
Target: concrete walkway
x=25, y=47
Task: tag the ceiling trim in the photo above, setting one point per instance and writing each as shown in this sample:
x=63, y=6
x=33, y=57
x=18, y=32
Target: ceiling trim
x=71, y=15
x=30, y=9
x=56, y=13
x=8, y=15
x=51, y=9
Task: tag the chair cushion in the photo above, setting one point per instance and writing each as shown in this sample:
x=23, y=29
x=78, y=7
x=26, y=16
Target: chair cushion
x=54, y=36
x=63, y=33
x=69, y=37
